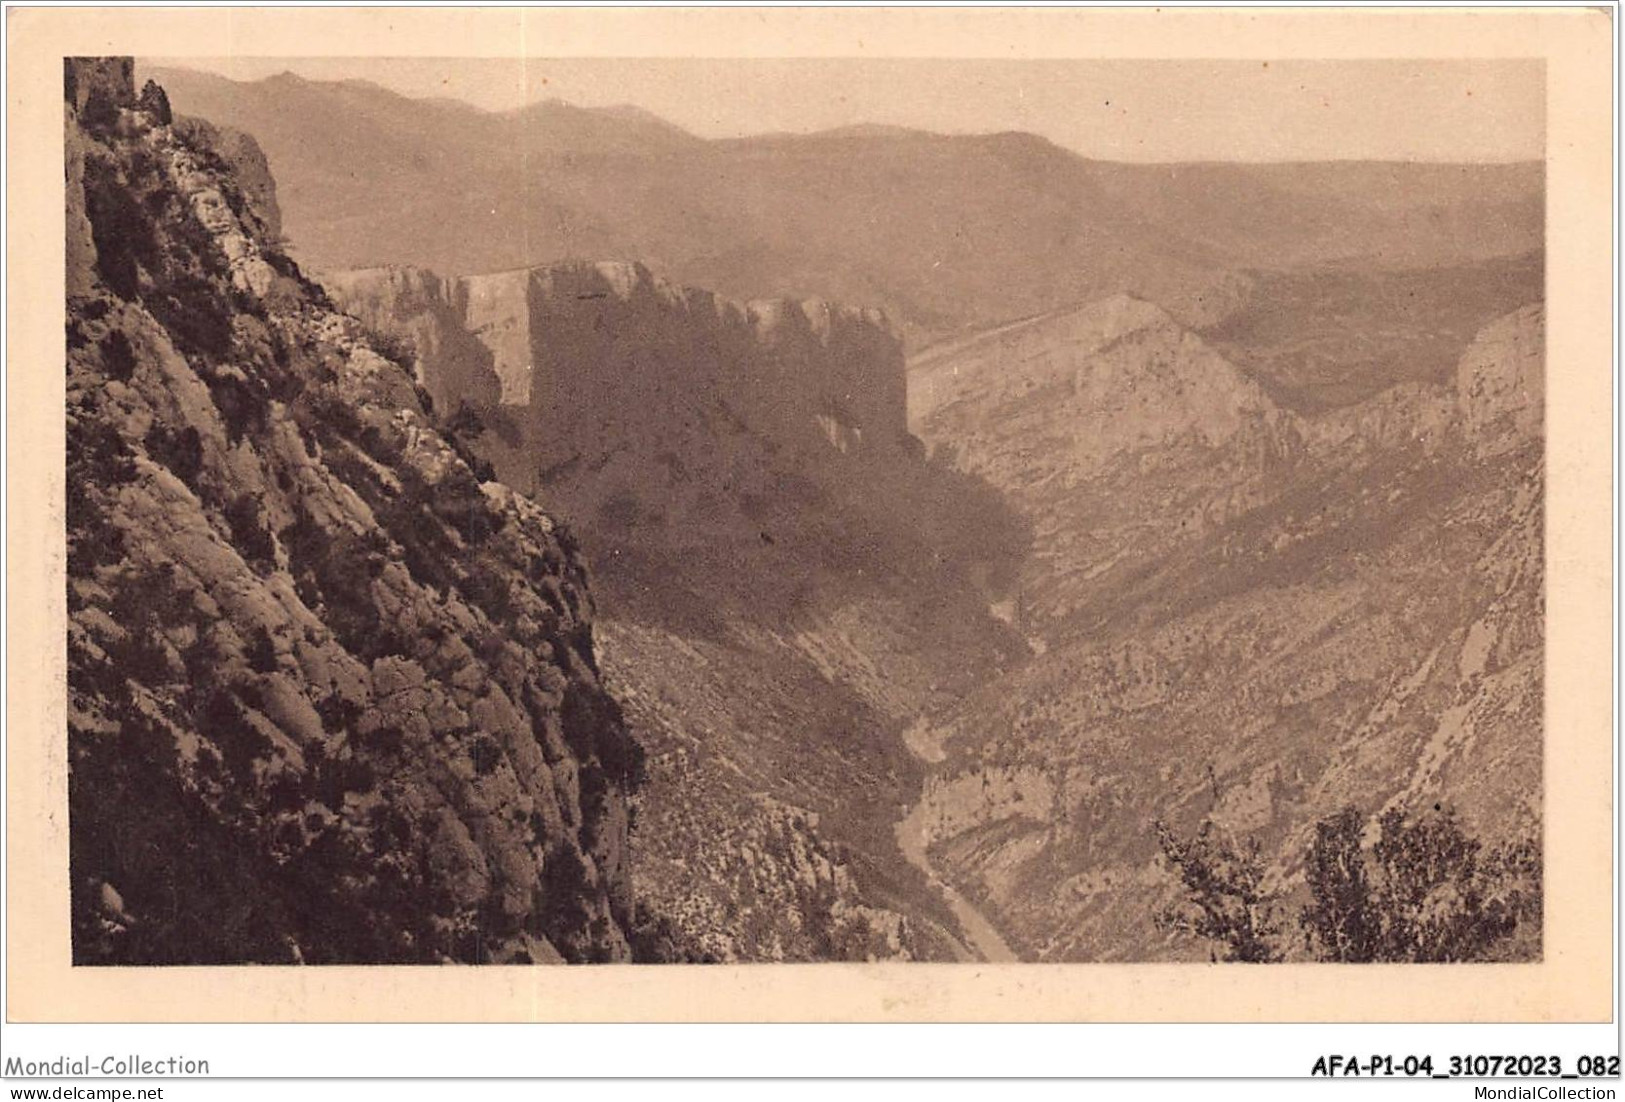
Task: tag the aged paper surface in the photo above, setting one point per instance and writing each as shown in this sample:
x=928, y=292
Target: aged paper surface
x=1568, y=981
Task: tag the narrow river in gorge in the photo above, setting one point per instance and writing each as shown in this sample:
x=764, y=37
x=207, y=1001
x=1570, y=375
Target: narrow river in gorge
x=912, y=839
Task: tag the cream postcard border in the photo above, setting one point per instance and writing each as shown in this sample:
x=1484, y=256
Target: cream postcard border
x=1572, y=983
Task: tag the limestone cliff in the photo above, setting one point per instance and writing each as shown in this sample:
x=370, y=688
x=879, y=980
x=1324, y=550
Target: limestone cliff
x=331, y=697
x=577, y=345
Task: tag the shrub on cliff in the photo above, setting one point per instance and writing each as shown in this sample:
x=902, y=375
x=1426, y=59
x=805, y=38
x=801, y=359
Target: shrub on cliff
x=398, y=348
x=461, y=430
x=120, y=228
x=99, y=113
x=118, y=356
x=1225, y=900
x=249, y=533
x=1425, y=891
x=155, y=102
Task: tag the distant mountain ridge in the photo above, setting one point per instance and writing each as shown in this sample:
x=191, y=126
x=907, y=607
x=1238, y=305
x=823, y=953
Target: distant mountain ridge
x=946, y=232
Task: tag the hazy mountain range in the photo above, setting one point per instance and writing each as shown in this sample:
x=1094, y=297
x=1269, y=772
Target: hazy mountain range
x=944, y=232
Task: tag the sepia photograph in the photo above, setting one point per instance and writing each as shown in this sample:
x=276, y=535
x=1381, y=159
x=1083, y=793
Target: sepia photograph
x=529, y=511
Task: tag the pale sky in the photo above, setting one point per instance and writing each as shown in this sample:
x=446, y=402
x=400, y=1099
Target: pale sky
x=1198, y=110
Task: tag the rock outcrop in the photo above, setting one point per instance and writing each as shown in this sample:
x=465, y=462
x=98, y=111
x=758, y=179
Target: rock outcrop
x=331, y=697
x=431, y=315
x=247, y=163
x=1501, y=382
x=97, y=85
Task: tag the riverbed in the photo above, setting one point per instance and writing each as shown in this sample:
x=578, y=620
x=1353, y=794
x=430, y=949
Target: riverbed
x=985, y=941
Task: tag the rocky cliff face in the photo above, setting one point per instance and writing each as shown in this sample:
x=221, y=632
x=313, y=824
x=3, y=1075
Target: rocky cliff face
x=1501, y=383
x=247, y=164
x=331, y=697
x=87, y=80
x=583, y=349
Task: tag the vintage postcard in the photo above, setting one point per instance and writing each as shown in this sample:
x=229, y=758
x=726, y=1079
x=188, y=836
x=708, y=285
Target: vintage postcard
x=940, y=515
